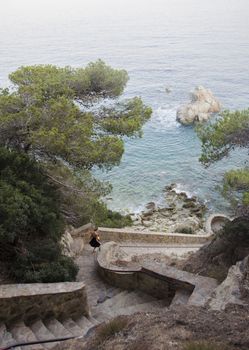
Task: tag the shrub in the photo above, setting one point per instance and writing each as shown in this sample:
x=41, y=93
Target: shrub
x=114, y=219
x=186, y=230
x=204, y=345
x=30, y=223
x=61, y=270
x=110, y=329
x=217, y=271
x=238, y=228
x=43, y=262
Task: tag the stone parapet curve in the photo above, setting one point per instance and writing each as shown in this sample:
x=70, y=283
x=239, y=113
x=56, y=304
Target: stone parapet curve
x=160, y=281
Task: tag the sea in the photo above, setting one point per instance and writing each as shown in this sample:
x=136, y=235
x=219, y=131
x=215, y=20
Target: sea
x=164, y=45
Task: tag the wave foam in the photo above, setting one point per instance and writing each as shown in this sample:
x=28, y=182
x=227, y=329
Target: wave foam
x=165, y=117
x=181, y=188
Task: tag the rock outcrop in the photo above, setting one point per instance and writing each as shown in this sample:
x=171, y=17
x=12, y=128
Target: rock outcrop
x=226, y=249
x=234, y=289
x=67, y=244
x=183, y=214
x=203, y=104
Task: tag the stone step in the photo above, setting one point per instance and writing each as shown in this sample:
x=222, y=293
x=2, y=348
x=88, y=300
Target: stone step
x=124, y=300
x=84, y=324
x=57, y=329
x=93, y=320
x=42, y=333
x=115, y=300
x=134, y=298
x=24, y=334
x=146, y=307
x=6, y=338
x=106, y=294
x=72, y=327
x=101, y=316
x=112, y=291
x=181, y=297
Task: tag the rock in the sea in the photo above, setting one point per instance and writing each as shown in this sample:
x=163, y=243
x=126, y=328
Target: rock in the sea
x=203, y=104
x=150, y=208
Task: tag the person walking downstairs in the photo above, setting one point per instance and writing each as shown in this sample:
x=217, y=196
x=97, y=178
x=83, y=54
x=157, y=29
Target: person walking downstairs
x=95, y=239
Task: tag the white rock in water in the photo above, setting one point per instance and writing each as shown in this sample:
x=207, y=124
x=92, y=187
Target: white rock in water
x=202, y=105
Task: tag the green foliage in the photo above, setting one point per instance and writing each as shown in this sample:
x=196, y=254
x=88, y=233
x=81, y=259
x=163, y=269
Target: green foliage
x=30, y=222
x=112, y=219
x=44, y=82
x=29, y=204
x=186, y=230
x=126, y=117
x=43, y=115
x=228, y=132
x=237, y=230
x=80, y=202
x=62, y=269
x=219, y=138
x=104, y=80
x=237, y=181
x=49, y=142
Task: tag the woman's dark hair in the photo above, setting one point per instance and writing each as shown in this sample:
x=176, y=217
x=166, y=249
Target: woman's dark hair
x=95, y=228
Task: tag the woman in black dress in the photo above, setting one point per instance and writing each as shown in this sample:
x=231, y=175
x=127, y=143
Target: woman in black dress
x=95, y=239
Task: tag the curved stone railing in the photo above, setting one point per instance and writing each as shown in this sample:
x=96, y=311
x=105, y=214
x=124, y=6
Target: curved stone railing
x=25, y=302
x=216, y=222
x=164, y=282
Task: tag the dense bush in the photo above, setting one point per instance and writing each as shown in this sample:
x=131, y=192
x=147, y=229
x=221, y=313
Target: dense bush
x=237, y=231
x=30, y=222
x=113, y=219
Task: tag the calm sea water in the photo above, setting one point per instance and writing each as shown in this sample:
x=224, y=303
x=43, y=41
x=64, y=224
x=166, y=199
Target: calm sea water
x=178, y=44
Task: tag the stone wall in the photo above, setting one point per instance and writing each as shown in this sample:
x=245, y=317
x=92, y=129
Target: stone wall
x=160, y=281
x=120, y=235
x=126, y=235
x=26, y=302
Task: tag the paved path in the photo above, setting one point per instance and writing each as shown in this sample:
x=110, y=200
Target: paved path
x=167, y=250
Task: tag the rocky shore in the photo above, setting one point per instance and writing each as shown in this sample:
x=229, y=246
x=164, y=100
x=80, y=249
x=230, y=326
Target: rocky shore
x=183, y=214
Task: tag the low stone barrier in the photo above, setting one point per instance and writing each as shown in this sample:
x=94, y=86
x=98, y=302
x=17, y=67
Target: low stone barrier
x=120, y=235
x=81, y=235
x=26, y=302
x=160, y=281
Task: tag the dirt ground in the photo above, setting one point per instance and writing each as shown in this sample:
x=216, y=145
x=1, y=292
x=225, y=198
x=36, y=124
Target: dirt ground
x=172, y=330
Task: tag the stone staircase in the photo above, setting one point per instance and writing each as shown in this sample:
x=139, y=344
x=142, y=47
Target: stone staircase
x=105, y=303
x=40, y=330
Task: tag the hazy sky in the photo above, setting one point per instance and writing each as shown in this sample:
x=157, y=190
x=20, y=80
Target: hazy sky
x=52, y=8
x=16, y=15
